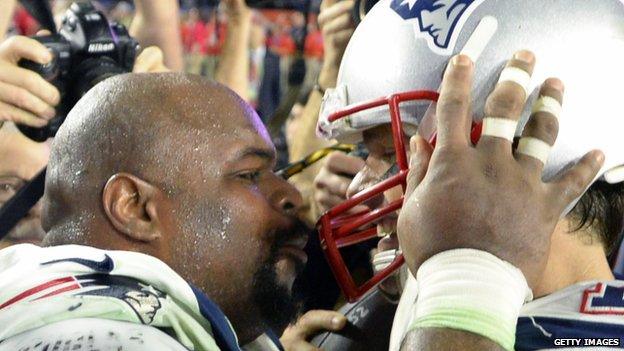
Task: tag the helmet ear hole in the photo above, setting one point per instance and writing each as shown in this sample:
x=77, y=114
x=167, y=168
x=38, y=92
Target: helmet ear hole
x=361, y=8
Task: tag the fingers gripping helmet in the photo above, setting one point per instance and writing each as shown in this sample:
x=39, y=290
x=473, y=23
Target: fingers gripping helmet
x=393, y=67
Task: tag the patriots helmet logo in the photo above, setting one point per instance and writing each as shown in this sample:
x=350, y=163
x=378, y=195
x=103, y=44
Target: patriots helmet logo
x=437, y=19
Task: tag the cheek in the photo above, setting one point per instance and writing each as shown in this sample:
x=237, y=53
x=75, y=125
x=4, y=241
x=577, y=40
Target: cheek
x=245, y=226
x=393, y=194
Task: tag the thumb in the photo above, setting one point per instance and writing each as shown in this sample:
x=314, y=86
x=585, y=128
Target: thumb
x=419, y=162
x=149, y=60
x=320, y=320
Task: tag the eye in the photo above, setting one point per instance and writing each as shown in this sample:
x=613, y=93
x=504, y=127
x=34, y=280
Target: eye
x=8, y=189
x=251, y=176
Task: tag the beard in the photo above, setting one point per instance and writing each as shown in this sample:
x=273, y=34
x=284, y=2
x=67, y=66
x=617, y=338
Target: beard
x=277, y=304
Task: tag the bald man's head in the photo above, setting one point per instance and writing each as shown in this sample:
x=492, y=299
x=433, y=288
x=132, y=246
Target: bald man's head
x=180, y=168
x=145, y=124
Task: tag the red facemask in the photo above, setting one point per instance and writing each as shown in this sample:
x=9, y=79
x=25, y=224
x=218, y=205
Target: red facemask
x=337, y=229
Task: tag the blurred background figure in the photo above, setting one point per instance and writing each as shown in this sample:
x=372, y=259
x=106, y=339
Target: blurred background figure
x=21, y=159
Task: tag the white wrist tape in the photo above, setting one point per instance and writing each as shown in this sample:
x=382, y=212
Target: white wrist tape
x=471, y=290
x=499, y=127
x=518, y=76
x=547, y=104
x=534, y=147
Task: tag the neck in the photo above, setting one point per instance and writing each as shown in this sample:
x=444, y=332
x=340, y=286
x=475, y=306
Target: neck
x=574, y=257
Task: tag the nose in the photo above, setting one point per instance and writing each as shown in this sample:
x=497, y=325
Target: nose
x=363, y=180
x=286, y=198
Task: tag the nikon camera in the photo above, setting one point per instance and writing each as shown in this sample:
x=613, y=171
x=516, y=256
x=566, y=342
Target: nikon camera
x=87, y=49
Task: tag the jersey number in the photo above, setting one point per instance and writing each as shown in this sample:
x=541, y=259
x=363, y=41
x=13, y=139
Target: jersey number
x=603, y=299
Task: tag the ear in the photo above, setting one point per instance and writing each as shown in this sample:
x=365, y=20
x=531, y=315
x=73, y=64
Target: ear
x=131, y=205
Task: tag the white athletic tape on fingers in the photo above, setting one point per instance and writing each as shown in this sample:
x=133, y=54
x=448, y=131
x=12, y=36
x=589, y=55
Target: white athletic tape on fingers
x=499, y=127
x=518, y=76
x=535, y=148
x=548, y=104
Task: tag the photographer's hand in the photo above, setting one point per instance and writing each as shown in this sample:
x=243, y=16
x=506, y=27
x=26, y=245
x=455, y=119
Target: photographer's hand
x=233, y=67
x=337, y=27
x=150, y=60
x=332, y=182
x=25, y=97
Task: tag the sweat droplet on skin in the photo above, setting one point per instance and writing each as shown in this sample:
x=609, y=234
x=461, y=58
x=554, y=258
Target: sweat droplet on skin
x=225, y=221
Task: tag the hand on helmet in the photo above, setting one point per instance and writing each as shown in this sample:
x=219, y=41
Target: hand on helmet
x=332, y=181
x=487, y=197
x=313, y=322
x=25, y=97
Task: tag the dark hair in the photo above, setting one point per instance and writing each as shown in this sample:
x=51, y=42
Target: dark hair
x=601, y=208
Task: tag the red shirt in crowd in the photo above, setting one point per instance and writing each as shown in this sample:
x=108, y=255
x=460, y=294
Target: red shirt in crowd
x=314, y=45
x=283, y=43
x=203, y=37
x=25, y=24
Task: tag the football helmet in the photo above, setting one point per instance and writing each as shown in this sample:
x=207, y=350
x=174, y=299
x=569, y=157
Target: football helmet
x=393, y=66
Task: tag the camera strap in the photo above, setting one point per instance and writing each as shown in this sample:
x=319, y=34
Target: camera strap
x=18, y=206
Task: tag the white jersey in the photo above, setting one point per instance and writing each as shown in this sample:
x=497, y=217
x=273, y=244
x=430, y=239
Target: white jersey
x=581, y=316
x=584, y=316
x=82, y=298
x=87, y=334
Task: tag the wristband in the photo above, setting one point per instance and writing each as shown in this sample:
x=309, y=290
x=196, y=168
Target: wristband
x=471, y=290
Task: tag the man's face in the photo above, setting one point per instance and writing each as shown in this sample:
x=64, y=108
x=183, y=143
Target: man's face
x=21, y=159
x=234, y=230
x=382, y=156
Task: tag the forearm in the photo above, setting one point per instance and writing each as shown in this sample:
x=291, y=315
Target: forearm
x=158, y=23
x=233, y=67
x=305, y=140
x=437, y=339
x=6, y=14
x=303, y=143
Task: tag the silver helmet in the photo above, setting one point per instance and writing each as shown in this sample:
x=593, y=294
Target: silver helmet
x=404, y=45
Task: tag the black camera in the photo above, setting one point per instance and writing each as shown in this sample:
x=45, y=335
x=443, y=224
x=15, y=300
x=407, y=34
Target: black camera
x=87, y=49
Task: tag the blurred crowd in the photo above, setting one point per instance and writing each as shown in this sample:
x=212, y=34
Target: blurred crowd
x=282, y=34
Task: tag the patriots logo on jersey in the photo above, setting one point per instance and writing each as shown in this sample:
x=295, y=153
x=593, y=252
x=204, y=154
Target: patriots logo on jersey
x=438, y=20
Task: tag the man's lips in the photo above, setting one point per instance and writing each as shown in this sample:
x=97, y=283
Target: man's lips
x=294, y=249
